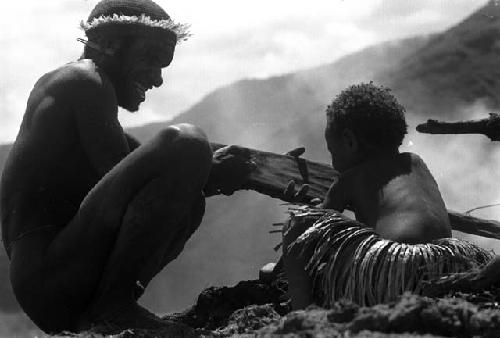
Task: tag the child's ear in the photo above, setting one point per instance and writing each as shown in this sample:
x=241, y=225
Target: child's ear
x=350, y=139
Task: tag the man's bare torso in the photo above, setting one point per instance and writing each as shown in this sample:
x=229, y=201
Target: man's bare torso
x=49, y=170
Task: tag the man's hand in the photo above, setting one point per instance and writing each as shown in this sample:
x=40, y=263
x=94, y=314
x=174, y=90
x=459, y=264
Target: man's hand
x=230, y=168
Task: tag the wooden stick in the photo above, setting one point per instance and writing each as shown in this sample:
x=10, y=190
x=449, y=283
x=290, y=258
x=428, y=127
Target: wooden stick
x=474, y=280
x=274, y=171
x=474, y=226
x=489, y=126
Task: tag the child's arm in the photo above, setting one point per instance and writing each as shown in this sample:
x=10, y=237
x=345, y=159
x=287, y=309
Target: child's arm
x=299, y=281
x=335, y=197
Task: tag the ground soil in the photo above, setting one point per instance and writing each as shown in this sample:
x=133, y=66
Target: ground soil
x=255, y=308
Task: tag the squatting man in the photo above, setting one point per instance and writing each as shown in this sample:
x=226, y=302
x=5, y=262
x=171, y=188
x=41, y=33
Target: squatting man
x=90, y=216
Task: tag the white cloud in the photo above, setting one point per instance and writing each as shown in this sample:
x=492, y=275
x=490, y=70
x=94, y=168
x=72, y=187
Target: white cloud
x=232, y=40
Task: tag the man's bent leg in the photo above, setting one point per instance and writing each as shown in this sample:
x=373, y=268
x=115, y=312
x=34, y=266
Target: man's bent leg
x=168, y=253
x=154, y=230
x=80, y=256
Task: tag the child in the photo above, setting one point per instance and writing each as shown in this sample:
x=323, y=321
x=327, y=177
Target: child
x=390, y=191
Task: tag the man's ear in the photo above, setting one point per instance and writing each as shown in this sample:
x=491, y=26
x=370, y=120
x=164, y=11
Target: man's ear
x=350, y=139
x=111, y=46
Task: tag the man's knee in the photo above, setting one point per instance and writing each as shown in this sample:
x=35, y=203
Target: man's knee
x=185, y=136
x=187, y=130
x=187, y=144
x=189, y=140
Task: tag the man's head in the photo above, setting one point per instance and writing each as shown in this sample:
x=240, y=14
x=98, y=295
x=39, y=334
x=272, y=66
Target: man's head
x=132, y=40
x=363, y=120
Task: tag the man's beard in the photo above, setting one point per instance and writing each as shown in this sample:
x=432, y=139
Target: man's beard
x=126, y=95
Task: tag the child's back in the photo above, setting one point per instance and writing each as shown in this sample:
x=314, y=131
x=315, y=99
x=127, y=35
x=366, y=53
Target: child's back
x=397, y=195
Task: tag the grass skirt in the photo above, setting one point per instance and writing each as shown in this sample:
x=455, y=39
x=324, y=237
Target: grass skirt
x=346, y=259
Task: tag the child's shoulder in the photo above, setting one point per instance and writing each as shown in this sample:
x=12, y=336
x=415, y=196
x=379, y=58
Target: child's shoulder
x=414, y=160
x=384, y=169
x=412, y=156
x=384, y=163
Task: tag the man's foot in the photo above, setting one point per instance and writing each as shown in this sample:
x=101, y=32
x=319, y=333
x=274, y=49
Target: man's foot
x=266, y=273
x=134, y=317
x=269, y=272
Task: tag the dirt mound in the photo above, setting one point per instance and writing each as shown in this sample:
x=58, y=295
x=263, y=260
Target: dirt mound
x=254, y=308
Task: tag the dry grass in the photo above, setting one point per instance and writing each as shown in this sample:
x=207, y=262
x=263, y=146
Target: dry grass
x=348, y=260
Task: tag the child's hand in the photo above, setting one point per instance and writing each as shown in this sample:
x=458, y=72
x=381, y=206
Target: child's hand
x=299, y=196
x=290, y=195
x=330, y=197
x=297, y=152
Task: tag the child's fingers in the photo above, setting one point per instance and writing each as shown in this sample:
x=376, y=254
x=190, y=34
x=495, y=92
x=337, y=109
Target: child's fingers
x=316, y=201
x=301, y=194
x=296, y=152
x=290, y=195
x=289, y=191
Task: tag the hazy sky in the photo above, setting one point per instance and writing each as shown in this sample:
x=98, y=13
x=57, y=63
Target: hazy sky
x=231, y=40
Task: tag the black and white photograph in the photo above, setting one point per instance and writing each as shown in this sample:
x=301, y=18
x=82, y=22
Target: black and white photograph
x=188, y=168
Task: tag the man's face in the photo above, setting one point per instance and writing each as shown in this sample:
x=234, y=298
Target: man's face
x=139, y=70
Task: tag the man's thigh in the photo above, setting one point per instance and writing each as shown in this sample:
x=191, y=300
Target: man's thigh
x=173, y=248
x=59, y=271
x=168, y=158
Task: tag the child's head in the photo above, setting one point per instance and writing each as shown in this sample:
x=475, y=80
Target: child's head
x=363, y=120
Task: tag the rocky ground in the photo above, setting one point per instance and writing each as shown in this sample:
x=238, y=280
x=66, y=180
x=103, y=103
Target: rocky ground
x=255, y=308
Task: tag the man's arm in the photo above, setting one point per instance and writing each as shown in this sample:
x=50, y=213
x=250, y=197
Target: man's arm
x=96, y=113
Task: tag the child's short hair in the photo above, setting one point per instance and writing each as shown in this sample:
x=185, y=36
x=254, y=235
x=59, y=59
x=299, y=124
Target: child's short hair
x=371, y=112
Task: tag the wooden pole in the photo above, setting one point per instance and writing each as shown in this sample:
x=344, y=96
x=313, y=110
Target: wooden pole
x=272, y=173
x=489, y=126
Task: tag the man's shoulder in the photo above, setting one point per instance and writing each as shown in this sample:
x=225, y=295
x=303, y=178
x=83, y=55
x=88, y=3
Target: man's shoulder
x=77, y=80
x=81, y=72
x=76, y=76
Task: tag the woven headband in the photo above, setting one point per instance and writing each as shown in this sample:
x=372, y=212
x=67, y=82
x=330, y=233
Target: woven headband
x=125, y=24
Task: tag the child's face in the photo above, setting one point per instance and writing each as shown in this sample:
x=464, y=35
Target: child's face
x=343, y=148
